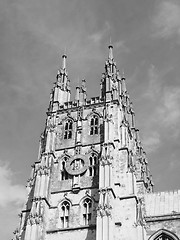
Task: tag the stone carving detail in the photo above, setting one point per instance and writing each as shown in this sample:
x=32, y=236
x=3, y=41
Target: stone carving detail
x=104, y=208
x=77, y=165
x=107, y=154
x=17, y=234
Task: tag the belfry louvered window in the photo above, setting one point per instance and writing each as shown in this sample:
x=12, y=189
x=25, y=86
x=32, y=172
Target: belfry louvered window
x=87, y=211
x=94, y=125
x=68, y=129
x=65, y=208
x=64, y=174
x=93, y=165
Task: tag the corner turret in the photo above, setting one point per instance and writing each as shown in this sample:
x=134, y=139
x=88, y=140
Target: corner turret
x=81, y=94
x=110, y=89
x=61, y=91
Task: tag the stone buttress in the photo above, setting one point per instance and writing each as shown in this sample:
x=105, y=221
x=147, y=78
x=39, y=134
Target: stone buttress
x=92, y=173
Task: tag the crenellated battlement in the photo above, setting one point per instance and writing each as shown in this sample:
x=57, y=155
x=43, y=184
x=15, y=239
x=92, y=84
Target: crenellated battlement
x=92, y=180
x=75, y=104
x=162, y=203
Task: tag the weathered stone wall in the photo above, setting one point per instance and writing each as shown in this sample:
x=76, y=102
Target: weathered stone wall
x=85, y=234
x=125, y=219
x=76, y=206
x=172, y=224
x=86, y=138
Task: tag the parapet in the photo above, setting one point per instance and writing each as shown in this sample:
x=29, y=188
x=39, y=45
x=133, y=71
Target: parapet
x=162, y=203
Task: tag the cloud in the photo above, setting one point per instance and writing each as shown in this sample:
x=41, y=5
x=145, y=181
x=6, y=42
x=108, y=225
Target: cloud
x=168, y=111
x=151, y=141
x=166, y=22
x=167, y=98
x=154, y=83
x=174, y=163
x=103, y=33
x=98, y=36
x=162, y=104
x=10, y=193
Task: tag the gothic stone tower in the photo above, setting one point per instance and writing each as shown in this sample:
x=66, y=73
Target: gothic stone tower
x=92, y=175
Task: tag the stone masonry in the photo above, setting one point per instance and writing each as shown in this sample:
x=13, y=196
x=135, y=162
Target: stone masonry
x=91, y=180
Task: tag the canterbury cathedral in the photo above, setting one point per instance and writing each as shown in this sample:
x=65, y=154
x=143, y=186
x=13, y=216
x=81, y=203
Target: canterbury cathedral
x=91, y=180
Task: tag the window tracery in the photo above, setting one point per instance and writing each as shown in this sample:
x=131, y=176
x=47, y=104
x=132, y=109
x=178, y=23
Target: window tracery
x=163, y=237
x=87, y=211
x=93, y=165
x=94, y=125
x=65, y=208
x=163, y=234
x=68, y=129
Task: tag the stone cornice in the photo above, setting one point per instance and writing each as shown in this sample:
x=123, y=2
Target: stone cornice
x=71, y=229
x=169, y=217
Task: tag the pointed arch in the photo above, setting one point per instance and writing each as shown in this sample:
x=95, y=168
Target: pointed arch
x=94, y=124
x=68, y=129
x=93, y=169
x=93, y=112
x=62, y=167
x=66, y=118
x=64, y=213
x=86, y=205
x=163, y=234
x=86, y=196
x=94, y=120
x=68, y=125
x=63, y=200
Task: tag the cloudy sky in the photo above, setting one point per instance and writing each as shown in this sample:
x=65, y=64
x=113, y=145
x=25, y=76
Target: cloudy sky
x=33, y=36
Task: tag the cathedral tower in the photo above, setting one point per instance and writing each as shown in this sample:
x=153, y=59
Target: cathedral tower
x=92, y=175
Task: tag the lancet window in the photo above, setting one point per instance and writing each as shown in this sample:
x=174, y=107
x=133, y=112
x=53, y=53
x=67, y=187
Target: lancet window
x=94, y=125
x=68, y=129
x=87, y=211
x=64, y=174
x=93, y=165
x=65, y=208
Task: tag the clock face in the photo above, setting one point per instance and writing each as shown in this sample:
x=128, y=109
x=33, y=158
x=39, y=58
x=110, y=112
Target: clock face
x=77, y=164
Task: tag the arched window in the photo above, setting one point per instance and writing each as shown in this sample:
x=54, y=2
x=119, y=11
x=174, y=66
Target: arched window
x=163, y=234
x=87, y=211
x=164, y=237
x=94, y=125
x=68, y=129
x=64, y=175
x=65, y=208
x=93, y=165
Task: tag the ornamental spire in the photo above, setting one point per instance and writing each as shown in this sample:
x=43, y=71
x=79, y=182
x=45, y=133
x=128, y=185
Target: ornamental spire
x=64, y=56
x=110, y=50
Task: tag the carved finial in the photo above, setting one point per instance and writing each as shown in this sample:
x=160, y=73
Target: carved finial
x=65, y=195
x=83, y=85
x=64, y=56
x=92, y=146
x=87, y=192
x=110, y=50
x=65, y=151
x=77, y=91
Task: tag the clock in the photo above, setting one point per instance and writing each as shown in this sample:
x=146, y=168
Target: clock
x=77, y=164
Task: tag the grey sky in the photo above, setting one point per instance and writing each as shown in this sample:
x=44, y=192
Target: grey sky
x=34, y=34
